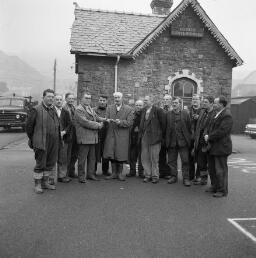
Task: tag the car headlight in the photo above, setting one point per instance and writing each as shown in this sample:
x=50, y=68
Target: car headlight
x=18, y=116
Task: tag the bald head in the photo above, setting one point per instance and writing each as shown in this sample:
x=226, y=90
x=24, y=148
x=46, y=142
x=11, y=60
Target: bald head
x=138, y=105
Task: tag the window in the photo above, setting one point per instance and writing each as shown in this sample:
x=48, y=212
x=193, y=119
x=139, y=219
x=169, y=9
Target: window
x=184, y=88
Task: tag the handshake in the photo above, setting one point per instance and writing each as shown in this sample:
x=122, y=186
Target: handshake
x=116, y=121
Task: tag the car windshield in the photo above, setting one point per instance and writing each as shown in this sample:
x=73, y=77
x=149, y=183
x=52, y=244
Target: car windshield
x=11, y=102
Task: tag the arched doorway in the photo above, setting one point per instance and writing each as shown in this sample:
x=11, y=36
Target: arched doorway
x=185, y=89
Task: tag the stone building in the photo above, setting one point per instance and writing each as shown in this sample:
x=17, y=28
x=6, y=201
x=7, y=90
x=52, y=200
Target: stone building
x=178, y=51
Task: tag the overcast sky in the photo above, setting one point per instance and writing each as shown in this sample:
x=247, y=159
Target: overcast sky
x=39, y=30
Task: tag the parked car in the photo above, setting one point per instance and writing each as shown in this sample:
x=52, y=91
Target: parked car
x=14, y=111
x=250, y=129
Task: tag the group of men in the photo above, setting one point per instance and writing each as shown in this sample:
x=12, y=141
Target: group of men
x=148, y=137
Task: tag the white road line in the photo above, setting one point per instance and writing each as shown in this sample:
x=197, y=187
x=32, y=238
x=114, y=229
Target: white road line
x=241, y=229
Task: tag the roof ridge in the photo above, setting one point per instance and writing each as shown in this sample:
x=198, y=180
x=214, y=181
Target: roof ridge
x=119, y=12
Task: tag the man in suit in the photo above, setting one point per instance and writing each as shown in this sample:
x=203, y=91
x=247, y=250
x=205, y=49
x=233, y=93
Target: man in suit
x=152, y=129
x=100, y=110
x=194, y=112
x=72, y=152
x=65, y=126
x=87, y=123
x=220, y=147
x=200, y=154
x=43, y=130
x=116, y=147
x=164, y=170
x=178, y=140
x=135, y=148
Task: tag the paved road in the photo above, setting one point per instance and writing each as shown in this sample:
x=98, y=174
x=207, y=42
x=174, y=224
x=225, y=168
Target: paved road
x=10, y=136
x=123, y=219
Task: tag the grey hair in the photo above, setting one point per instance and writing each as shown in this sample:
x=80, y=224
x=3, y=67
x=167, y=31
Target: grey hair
x=118, y=94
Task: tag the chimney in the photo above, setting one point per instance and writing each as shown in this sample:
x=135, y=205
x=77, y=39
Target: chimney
x=161, y=7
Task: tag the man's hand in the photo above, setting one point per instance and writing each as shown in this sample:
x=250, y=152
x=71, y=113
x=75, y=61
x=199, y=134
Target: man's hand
x=62, y=133
x=100, y=125
x=117, y=121
x=195, y=116
x=206, y=137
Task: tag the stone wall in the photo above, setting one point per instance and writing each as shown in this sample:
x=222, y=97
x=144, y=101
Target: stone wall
x=166, y=56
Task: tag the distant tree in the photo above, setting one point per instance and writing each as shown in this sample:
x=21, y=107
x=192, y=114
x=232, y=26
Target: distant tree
x=3, y=87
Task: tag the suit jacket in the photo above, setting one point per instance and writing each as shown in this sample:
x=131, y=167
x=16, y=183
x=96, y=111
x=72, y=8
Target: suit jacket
x=220, y=134
x=86, y=125
x=117, y=140
x=155, y=125
x=170, y=127
x=65, y=124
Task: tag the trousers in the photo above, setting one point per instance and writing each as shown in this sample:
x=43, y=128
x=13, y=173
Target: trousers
x=172, y=161
x=150, y=158
x=86, y=152
x=135, y=155
x=218, y=171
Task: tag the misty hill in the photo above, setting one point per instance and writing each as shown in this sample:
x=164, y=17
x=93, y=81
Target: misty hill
x=247, y=87
x=20, y=78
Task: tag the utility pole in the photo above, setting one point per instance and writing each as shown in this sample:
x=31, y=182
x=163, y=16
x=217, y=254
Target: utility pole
x=54, y=75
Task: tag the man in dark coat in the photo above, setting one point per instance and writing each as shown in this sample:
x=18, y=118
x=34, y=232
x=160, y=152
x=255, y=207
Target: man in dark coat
x=220, y=147
x=100, y=110
x=135, y=148
x=200, y=153
x=164, y=170
x=116, y=146
x=43, y=130
x=178, y=140
x=151, y=133
x=72, y=142
x=65, y=130
x=194, y=112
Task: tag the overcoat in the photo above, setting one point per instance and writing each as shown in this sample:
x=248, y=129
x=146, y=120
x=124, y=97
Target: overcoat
x=155, y=125
x=170, y=127
x=36, y=126
x=86, y=125
x=117, y=140
x=219, y=134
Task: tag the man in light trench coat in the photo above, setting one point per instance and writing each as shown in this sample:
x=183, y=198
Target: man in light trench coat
x=116, y=147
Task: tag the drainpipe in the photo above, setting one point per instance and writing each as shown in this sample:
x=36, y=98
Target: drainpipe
x=116, y=65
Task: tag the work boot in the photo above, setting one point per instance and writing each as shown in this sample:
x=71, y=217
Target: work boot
x=172, y=180
x=114, y=172
x=121, y=177
x=186, y=182
x=38, y=186
x=46, y=184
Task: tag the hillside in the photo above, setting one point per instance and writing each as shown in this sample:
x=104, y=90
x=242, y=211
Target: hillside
x=20, y=78
x=247, y=87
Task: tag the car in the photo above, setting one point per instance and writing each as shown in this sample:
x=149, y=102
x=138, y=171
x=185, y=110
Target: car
x=250, y=129
x=14, y=111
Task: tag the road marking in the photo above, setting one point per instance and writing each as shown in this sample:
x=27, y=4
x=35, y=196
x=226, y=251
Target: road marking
x=242, y=229
x=246, y=166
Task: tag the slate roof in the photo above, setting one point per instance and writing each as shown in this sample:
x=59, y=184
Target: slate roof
x=110, y=33
x=128, y=34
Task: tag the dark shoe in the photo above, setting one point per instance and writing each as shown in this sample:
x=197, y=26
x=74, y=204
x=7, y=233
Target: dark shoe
x=219, y=194
x=131, y=175
x=73, y=176
x=46, y=184
x=93, y=177
x=146, y=180
x=210, y=190
x=113, y=176
x=64, y=180
x=155, y=181
x=172, y=180
x=82, y=180
x=187, y=182
x=106, y=173
x=141, y=176
x=203, y=181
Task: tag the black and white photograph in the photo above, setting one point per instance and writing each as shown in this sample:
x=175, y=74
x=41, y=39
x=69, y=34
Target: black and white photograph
x=127, y=129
